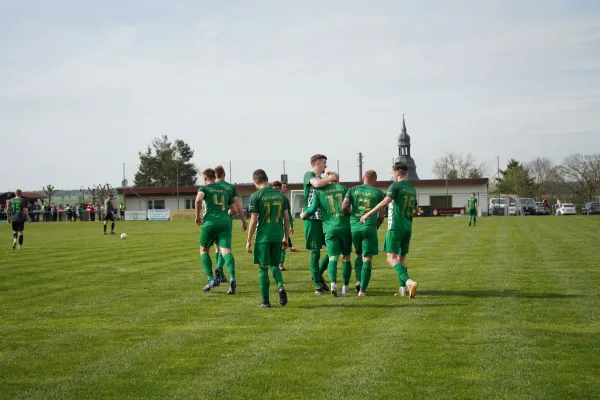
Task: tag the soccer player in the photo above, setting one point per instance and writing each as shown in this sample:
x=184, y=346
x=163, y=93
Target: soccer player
x=338, y=235
x=109, y=214
x=16, y=211
x=220, y=174
x=216, y=227
x=313, y=226
x=279, y=187
x=363, y=198
x=472, y=209
x=284, y=190
x=402, y=200
x=269, y=211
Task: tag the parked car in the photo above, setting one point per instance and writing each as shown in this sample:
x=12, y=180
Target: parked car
x=540, y=209
x=526, y=207
x=566, y=209
x=496, y=206
x=591, y=207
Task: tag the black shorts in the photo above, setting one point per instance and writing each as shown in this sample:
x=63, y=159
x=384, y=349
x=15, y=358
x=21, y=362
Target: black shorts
x=122, y=213
x=18, y=226
x=109, y=217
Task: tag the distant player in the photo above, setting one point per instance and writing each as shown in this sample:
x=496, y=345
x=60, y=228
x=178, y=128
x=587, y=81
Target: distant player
x=402, y=200
x=313, y=226
x=338, y=235
x=121, y=211
x=284, y=190
x=216, y=226
x=279, y=187
x=109, y=214
x=220, y=173
x=270, y=213
x=363, y=198
x=16, y=212
x=472, y=209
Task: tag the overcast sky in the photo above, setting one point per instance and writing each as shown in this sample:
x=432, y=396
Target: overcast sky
x=85, y=85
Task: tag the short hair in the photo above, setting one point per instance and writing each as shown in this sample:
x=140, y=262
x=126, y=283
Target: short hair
x=220, y=171
x=371, y=175
x=260, y=176
x=276, y=184
x=317, y=157
x=332, y=173
x=18, y=192
x=209, y=173
x=400, y=167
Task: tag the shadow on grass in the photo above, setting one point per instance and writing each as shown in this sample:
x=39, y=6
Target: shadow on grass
x=498, y=293
x=400, y=304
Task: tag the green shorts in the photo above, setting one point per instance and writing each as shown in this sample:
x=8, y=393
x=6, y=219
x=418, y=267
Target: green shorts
x=268, y=254
x=366, y=242
x=338, y=243
x=216, y=234
x=397, y=242
x=472, y=211
x=313, y=233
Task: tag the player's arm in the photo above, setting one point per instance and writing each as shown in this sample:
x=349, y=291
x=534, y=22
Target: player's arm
x=320, y=183
x=347, y=201
x=286, y=228
x=251, y=230
x=199, y=207
x=240, y=212
x=380, y=217
x=312, y=208
x=379, y=207
x=8, y=212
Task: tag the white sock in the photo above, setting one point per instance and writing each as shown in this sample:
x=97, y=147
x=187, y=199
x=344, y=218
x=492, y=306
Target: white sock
x=333, y=285
x=409, y=282
x=401, y=290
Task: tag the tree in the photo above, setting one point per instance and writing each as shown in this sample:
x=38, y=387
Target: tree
x=581, y=174
x=164, y=164
x=458, y=166
x=49, y=191
x=94, y=193
x=543, y=173
x=515, y=179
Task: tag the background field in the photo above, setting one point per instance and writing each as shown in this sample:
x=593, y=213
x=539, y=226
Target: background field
x=509, y=309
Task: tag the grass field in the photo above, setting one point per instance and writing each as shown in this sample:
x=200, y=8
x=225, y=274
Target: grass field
x=509, y=309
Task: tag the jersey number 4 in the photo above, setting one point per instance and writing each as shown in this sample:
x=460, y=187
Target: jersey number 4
x=219, y=203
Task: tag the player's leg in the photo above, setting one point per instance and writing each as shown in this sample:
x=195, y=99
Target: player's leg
x=220, y=264
x=112, y=224
x=21, y=228
x=207, y=239
x=225, y=244
x=365, y=275
x=281, y=263
x=474, y=217
x=391, y=246
x=346, y=247
x=358, y=263
x=15, y=234
x=262, y=259
x=105, y=222
x=334, y=250
x=313, y=236
x=275, y=256
x=401, y=268
x=325, y=260
x=370, y=249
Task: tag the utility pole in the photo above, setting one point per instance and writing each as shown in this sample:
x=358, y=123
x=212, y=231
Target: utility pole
x=360, y=166
x=338, y=166
x=230, y=178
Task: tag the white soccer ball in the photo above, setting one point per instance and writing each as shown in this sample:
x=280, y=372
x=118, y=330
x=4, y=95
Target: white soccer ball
x=123, y=236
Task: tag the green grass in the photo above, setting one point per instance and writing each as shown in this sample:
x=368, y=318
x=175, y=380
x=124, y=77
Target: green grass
x=509, y=309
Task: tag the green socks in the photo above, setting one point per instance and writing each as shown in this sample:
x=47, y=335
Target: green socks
x=346, y=272
x=332, y=269
x=358, y=266
x=277, y=275
x=474, y=219
x=365, y=275
x=207, y=265
x=323, y=265
x=21, y=240
x=15, y=237
x=220, y=262
x=282, y=257
x=263, y=278
x=402, y=273
x=230, y=264
x=314, y=267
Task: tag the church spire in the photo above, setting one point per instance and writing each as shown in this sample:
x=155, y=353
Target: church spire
x=404, y=152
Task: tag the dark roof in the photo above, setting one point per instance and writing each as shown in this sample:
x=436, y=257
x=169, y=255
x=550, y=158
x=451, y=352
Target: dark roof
x=25, y=195
x=297, y=186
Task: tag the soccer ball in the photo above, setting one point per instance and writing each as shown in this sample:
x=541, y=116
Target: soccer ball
x=123, y=236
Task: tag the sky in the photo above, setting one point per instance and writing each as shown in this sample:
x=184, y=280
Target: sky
x=86, y=85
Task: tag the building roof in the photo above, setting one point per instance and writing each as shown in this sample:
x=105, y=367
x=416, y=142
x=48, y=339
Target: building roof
x=183, y=191
x=25, y=195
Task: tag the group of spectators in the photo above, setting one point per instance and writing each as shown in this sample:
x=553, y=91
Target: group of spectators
x=41, y=212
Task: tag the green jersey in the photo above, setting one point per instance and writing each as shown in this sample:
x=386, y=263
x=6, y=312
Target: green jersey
x=329, y=200
x=108, y=207
x=309, y=193
x=402, y=208
x=230, y=189
x=364, y=198
x=269, y=204
x=16, y=207
x=217, y=202
x=472, y=202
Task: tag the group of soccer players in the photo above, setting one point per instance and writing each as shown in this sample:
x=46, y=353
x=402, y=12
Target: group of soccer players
x=333, y=216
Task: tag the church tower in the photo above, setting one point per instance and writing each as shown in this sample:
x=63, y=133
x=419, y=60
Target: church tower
x=404, y=153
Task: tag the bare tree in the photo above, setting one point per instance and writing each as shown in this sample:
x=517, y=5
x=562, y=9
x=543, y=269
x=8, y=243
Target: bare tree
x=94, y=194
x=543, y=173
x=581, y=174
x=458, y=165
x=49, y=191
